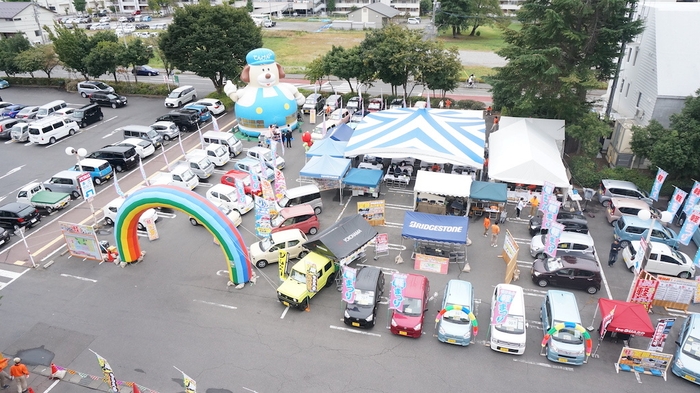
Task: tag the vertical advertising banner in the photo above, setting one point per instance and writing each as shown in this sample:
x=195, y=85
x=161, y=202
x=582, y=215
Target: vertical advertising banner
x=86, y=186
x=254, y=182
x=689, y=227
x=398, y=283
x=263, y=227
x=550, y=212
x=349, y=275
x=109, y=374
x=658, y=182
x=552, y=239
x=547, y=190
x=240, y=189
x=382, y=243
x=282, y=264
x=644, y=291
x=502, y=307
x=692, y=199
x=676, y=200
x=658, y=340
x=116, y=186
x=607, y=320
x=280, y=184
x=151, y=228
x=269, y=195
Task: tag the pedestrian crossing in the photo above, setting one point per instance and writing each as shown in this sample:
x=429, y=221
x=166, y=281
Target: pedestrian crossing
x=8, y=276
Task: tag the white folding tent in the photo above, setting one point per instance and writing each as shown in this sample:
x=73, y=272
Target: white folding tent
x=438, y=183
x=554, y=128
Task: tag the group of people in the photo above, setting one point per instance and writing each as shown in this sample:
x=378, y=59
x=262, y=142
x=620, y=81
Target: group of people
x=534, y=203
x=18, y=373
x=495, y=230
x=285, y=136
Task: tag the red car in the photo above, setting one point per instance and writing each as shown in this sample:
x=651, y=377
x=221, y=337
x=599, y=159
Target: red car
x=407, y=320
x=229, y=178
x=300, y=217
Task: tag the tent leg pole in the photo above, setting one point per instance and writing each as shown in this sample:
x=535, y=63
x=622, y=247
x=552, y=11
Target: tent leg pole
x=595, y=313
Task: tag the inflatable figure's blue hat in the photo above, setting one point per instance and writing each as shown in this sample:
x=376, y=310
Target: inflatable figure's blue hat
x=260, y=56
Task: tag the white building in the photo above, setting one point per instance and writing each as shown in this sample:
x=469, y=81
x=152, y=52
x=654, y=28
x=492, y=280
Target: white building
x=659, y=70
x=25, y=18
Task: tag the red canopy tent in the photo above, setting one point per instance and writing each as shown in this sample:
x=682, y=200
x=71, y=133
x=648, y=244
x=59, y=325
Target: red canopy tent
x=629, y=318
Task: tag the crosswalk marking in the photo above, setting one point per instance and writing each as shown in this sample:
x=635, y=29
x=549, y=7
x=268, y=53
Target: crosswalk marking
x=12, y=276
x=9, y=274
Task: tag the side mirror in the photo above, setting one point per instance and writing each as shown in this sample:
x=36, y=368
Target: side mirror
x=678, y=343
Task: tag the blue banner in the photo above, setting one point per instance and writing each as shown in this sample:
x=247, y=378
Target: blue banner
x=692, y=199
x=689, y=227
x=552, y=239
x=254, y=182
x=676, y=200
x=658, y=182
x=550, y=214
x=262, y=218
x=696, y=260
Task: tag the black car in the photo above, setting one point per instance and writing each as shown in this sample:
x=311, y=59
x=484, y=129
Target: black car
x=567, y=271
x=142, y=26
x=17, y=215
x=186, y=121
x=87, y=114
x=572, y=221
x=369, y=287
x=4, y=236
x=121, y=158
x=107, y=99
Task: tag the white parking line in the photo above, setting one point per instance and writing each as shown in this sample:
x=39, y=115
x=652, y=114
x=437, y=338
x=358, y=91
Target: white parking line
x=355, y=331
x=547, y=365
x=11, y=171
x=217, y=304
x=78, y=277
x=284, y=312
x=50, y=145
x=97, y=124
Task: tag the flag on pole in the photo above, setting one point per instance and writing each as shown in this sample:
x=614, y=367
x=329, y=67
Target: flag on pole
x=676, y=200
x=692, y=199
x=359, y=93
x=324, y=125
x=241, y=189
x=607, y=320
x=116, y=185
x=658, y=182
x=280, y=184
x=164, y=156
x=214, y=123
x=179, y=140
x=201, y=137
x=427, y=97
x=189, y=384
x=143, y=172
x=107, y=370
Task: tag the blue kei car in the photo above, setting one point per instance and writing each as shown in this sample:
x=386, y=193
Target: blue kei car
x=201, y=110
x=686, y=362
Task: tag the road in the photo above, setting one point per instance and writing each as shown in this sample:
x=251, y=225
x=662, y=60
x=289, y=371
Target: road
x=174, y=308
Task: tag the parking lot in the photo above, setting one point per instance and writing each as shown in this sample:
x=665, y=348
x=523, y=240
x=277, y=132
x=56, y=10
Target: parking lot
x=175, y=309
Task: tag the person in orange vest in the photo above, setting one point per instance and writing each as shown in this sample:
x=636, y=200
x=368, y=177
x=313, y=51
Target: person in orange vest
x=495, y=230
x=20, y=373
x=494, y=127
x=4, y=376
x=487, y=224
x=448, y=103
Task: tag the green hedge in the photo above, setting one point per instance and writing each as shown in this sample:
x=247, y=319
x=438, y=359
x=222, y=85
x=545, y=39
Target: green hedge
x=22, y=81
x=71, y=85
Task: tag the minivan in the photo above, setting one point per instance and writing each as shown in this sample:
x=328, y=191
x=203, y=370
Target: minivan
x=368, y=290
x=234, y=145
x=268, y=250
x=455, y=326
x=570, y=243
x=180, y=96
x=619, y=207
x=87, y=114
x=65, y=181
x=121, y=158
x=313, y=101
x=334, y=101
x=630, y=228
x=301, y=217
x=50, y=129
x=99, y=170
x=565, y=345
x=567, y=271
x=508, y=333
x=50, y=108
x=258, y=152
x=622, y=189
x=407, y=320
x=143, y=132
x=309, y=194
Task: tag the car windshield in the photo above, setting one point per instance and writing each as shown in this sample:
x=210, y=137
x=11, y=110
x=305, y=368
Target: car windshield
x=152, y=134
x=174, y=94
x=411, y=307
x=77, y=114
x=553, y=264
x=144, y=144
x=266, y=244
x=43, y=111
x=220, y=151
x=514, y=324
x=364, y=298
x=284, y=201
x=457, y=316
x=311, y=101
x=204, y=163
x=112, y=96
x=691, y=347
x=568, y=336
x=277, y=221
x=268, y=156
x=374, y=105
x=188, y=175
x=26, y=110
x=675, y=253
x=101, y=86
x=298, y=277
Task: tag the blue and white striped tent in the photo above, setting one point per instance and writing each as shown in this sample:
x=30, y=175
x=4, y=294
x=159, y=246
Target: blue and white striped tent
x=431, y=135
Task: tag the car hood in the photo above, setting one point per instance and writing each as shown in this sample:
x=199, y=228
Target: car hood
x=292, y=288
x=536, y=242
x=406, y=321
x=455, y=329
x=538, y=266
x=536, y=222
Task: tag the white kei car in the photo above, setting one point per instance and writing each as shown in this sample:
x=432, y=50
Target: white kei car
x=110, y=213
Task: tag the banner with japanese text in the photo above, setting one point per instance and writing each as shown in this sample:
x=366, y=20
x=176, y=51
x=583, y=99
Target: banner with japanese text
x=689, y=227
x=398, y=283
x=547, y=190
x=693, y=199
x=263, y=226
x=552, y=239
x=658, y=182
x=550, y=212
x=349, y=275
x=280, y=185
x=676, y=200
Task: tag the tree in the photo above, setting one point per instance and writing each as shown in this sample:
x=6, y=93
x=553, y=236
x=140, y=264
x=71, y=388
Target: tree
x=104, y=58
x=483, y=12
x=330, y=6
x=9, y=49
x=157, y=51
x=561, y=51
x=425, y=7
x=80, y=5
x=211, y=41
x=345, y=64
x=249, y=6
x=317, y=69
x=441, y=69
x=673, y=149
x=453, y=13
x=38, y=58
x=72, y=46
x=135, y=54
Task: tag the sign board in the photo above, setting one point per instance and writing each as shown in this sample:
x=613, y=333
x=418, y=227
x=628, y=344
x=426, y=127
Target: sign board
x=431, y=263
x=151, y=228
x=86, y=186
x=372, y=211
x=282, y=264
x=312, y=116
x=658, y=340
x=176, y=79
x=81, y=240
x=675, y=292
x=312, y=279
x=510, y=256
x=382, y=243
x=644, y=362
x=644, y=290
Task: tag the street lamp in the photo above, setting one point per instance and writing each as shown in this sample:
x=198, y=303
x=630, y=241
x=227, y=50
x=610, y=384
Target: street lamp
x=79, y=153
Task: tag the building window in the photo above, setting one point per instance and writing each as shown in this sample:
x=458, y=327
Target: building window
x=622, y=85
x=639, y=99
x=629, y=54
x=634, y=62
x=37, y=33
x=627, y=90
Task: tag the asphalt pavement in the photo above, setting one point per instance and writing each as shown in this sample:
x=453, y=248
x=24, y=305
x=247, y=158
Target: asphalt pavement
x=175, y=309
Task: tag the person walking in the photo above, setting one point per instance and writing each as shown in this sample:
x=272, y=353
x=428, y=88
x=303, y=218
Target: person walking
x=20, y=373
x=495, y=230
x=519, y=207
x=487, y=225
x=534, y=204
x=614, y=249
x=448, y=103
x=488, y=111
x=494, y=127
x=290, y=136
x=441, y=104
x=4, y=376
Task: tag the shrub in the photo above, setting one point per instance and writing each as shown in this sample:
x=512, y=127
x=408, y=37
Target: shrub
x=140, y=88
x=22, y=81
x=470, y=104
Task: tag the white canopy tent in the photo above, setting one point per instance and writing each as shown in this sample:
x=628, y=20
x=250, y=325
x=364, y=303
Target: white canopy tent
x=438, y=183
x=522, y=154
x=555, y=128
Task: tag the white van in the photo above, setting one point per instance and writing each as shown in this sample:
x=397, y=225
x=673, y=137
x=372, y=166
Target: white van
x=50, y=129
x=217, y=154
x=180, y=96
x=234, y=145
x=508, y=319
x=309, y=194
x=200, y=165
x=50, y=108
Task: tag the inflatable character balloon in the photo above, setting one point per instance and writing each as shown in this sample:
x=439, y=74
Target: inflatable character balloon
x=265, y=100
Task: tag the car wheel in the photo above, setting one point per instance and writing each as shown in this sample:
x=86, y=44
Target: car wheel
x=194, y=98
x=101, y=117
x=592, y=290
x=317, y=210
x=542, y=282
x=114, y=106
x=613, y=223
x=109, y=221
x=83, y=94
x=15, y=228
x=167, y=138
x=606, y=204
x=179, y=104
x=119, y=168
x=304, y=304
x=75, y=194
x=685, y=275
x=49, y=210
x=302, y=254
x=52, y=141
x=150, y=74
x=631, y=269
x=141, y=227
x=624, y=244
x=83, y=124
x=261, y=263
x=540, y=256
x=331, y=280
x=313, y=231
x=71, y=132
x=98, y=181
x=193, y=221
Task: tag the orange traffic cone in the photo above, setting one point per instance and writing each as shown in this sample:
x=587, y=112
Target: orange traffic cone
x=135, y=388
x=30, y=390
x=56, y=372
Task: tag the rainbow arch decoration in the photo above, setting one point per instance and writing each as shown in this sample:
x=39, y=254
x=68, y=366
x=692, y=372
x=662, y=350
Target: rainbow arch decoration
x=178, y=198
x=569, y=325
x=472, y=317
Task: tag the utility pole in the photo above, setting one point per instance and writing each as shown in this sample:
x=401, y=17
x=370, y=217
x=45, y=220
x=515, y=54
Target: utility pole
x=38, y=25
